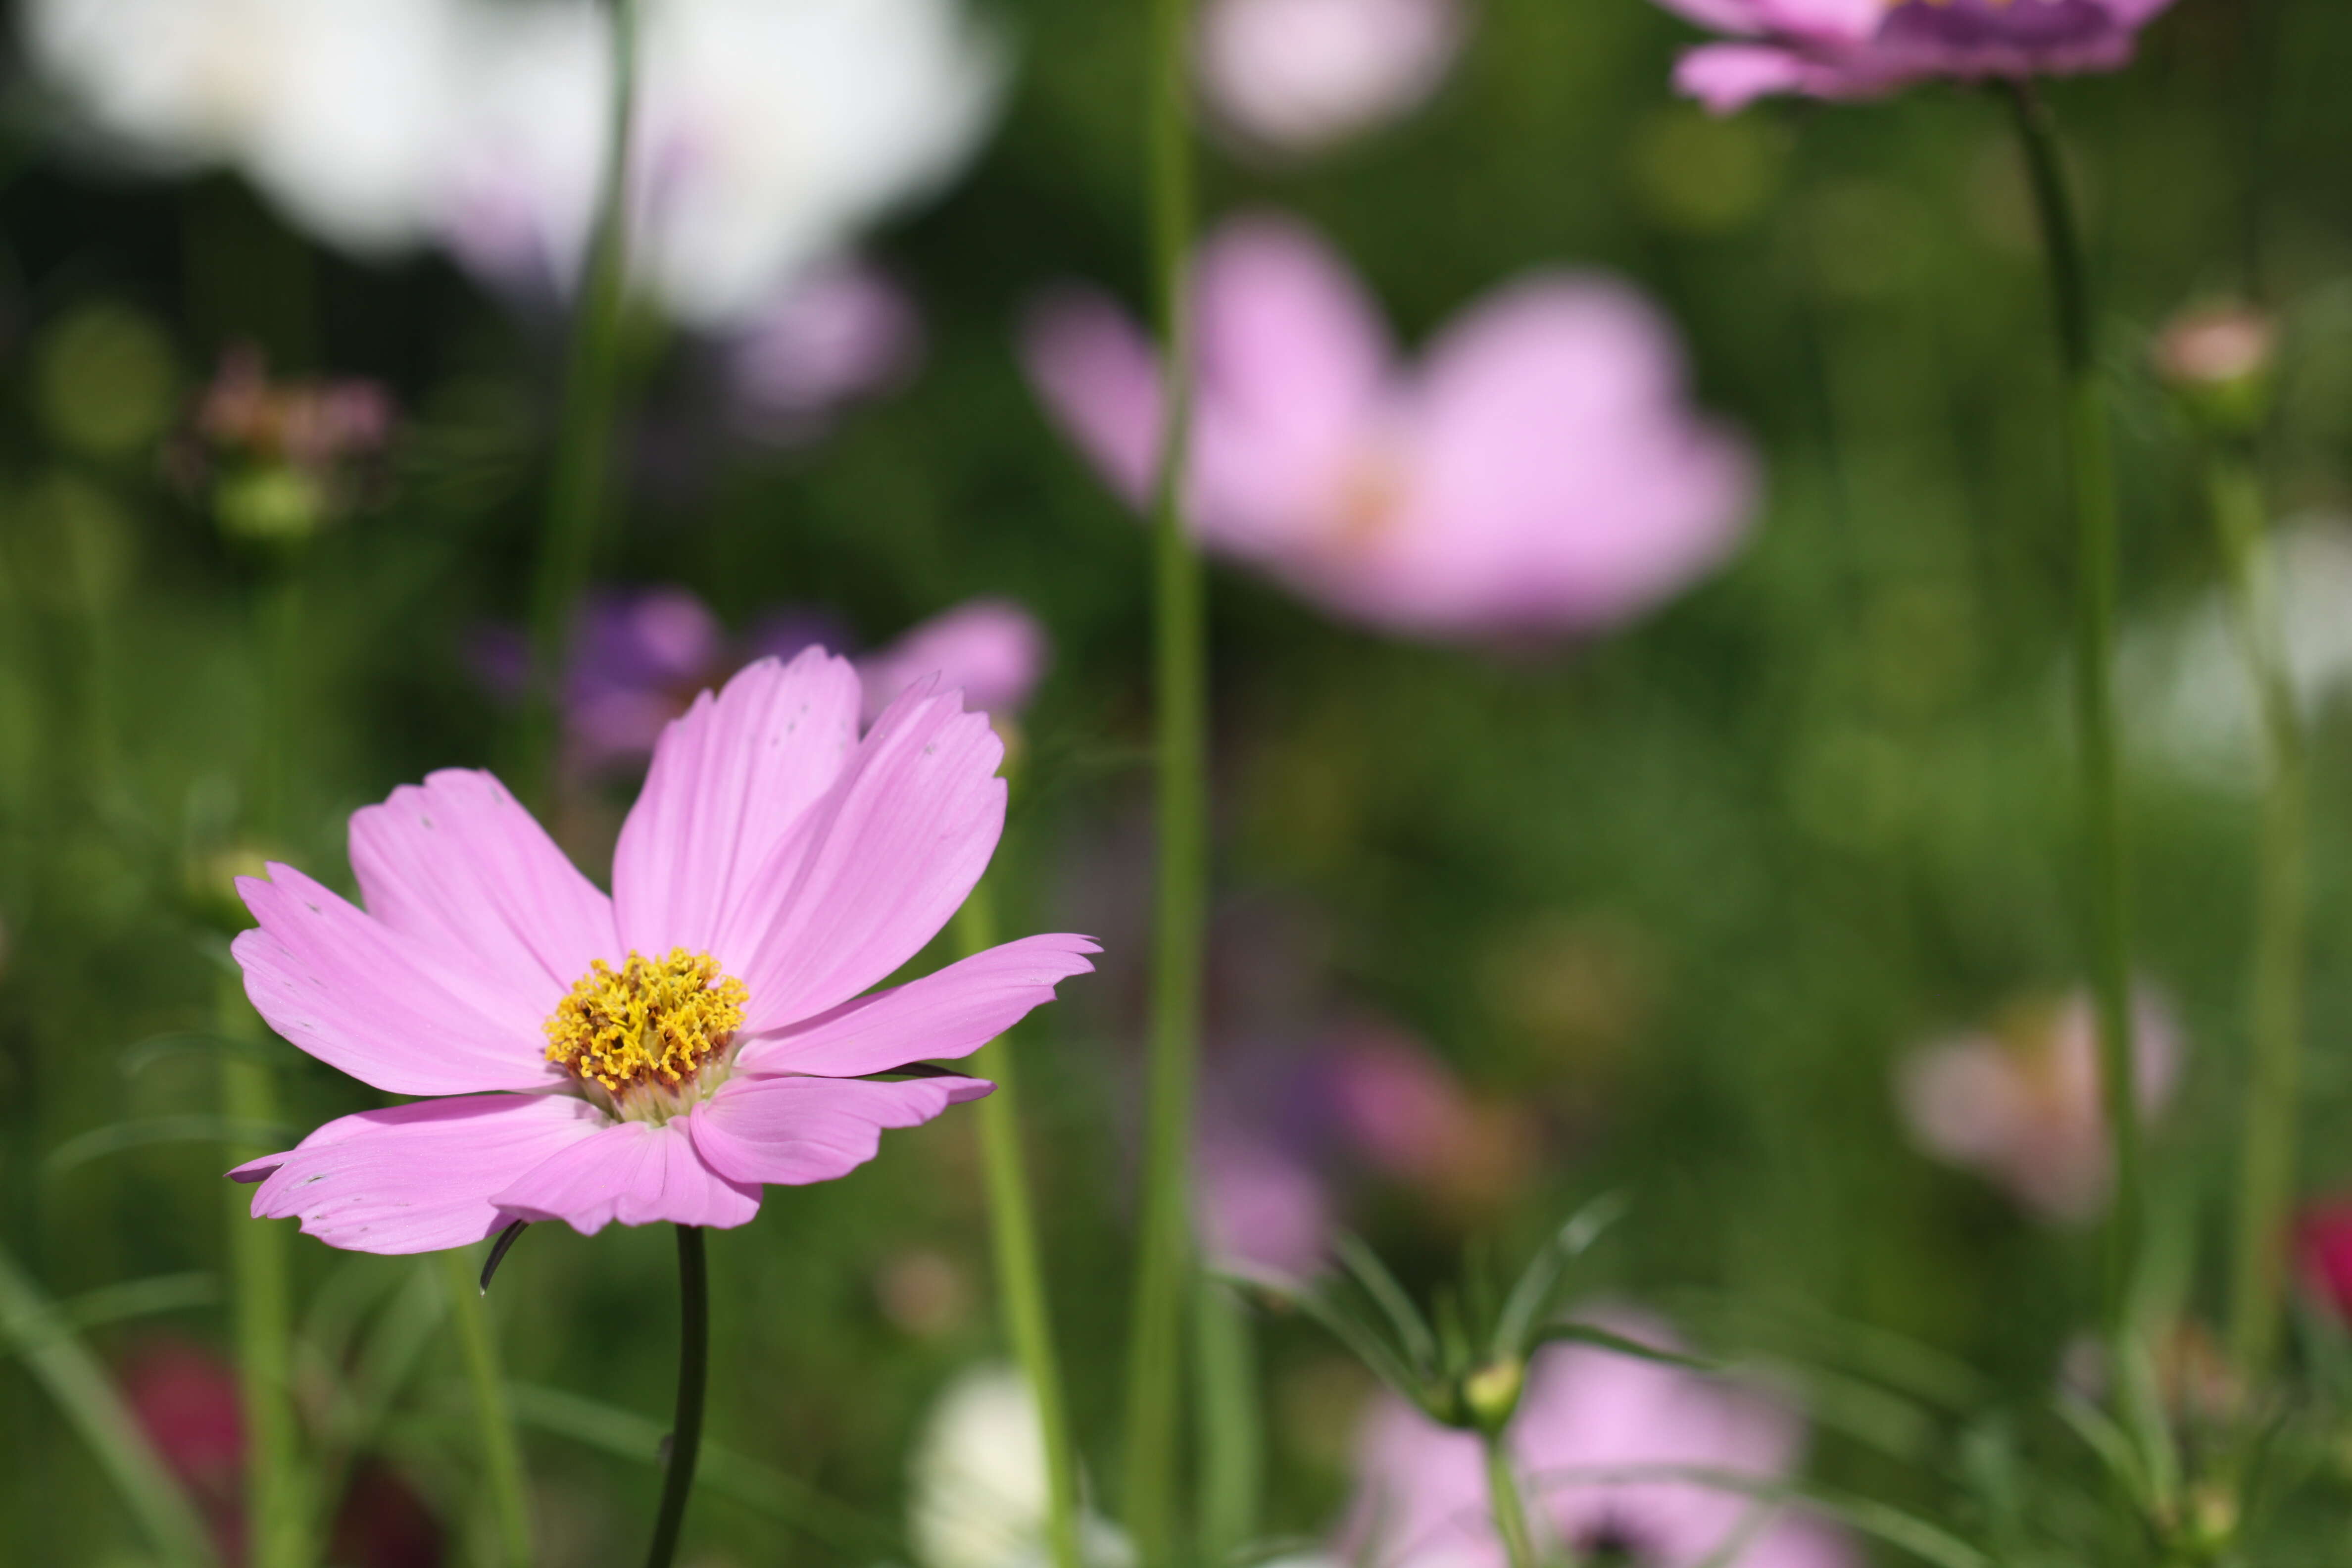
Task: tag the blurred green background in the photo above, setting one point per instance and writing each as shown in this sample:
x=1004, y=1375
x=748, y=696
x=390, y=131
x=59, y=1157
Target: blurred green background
x=1677, y=898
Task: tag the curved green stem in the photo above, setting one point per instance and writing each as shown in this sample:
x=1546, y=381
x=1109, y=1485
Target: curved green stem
x=2266, y=1179
x=502, y=1455
x=1162, y=1291
x=693, y=1378
x=1503, y=1497
x=2091, y=472
x=1020, y=1273
x=575, y=500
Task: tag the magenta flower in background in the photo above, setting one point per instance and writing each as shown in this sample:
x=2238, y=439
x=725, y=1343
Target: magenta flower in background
x=1539, y=472
x=993, y=648
x=2324, y=1245
x=2019, y=1104
x=1297, y=75
x=1866, y=48
x=663, y=1053
x=1421, y=1502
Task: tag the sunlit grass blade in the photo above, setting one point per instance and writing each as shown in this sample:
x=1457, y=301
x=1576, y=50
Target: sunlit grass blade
x=1531, y=1296
x=1362, y=1338
x=39, y=1333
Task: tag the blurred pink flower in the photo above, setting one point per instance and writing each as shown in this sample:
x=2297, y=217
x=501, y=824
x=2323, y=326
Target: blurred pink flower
x=1865, y=49
x=1299, y=75
x=845, y=333
x=2323, y=1244
x=1422, y=1499
x=1259, y=1203
x=663, y=1053
x=992, y=649
x=1539, y=472
x=2019, y=1104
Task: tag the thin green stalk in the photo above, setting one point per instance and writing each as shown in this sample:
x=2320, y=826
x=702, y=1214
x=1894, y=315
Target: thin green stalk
x=2266, y=1179
x=1020, y=1273
x=276, y=1505
x=277, y=617
x=502, y=1455
x=1231, y=1450
x=2091, y=489
x=32, y=1326
x=1503, y=1497
x=575, y=500
x=693, y=1376
x=1162, y=1289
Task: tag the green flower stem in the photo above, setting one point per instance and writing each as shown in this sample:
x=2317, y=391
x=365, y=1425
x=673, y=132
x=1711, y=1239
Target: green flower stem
x=575, y=500
x=693, y=1376
x=502, y=1455
x=277, y=1507
x=2266, y=1181
x=1163, y=1294
x=1020, y=1274
x=277, y=633
x=1503, y=1497
x=2091, y=468
x=1231, y=1450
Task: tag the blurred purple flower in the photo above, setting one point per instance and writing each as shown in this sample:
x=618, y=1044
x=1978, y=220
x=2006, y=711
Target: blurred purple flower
x=2019, y=1104
x=1260, y=1204
x=1866, y=48
x=1299, y=75
x=993, y=649
x=845, y=333
x=1421, y=1498
x=640, y=655
x=1541, y=472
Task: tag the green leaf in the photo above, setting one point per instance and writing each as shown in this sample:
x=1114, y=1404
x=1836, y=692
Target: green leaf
x=195, y=1128
x=1364, y=1265
x=1531, y=1295
x=1364, y=1343
x=33, y=1327
x=1602, y=1338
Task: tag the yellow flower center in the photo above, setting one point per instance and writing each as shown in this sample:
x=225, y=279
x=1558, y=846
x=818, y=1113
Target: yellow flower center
x=644, y=1033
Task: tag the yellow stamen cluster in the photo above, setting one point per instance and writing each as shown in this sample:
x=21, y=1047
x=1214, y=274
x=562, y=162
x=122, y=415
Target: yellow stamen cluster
x=649, y=1023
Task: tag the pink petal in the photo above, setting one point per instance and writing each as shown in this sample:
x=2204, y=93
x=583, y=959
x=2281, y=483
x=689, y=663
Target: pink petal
x=633, y=1171
x=416, y=1178
x=876, y=867
x=993, y=650
x=729, y=781
x=377, y=1004
x=458, y=865
x=1099, y=378
x=1727, y=78
x=1736, y=17
x=950, y=1013
x=1827, y=22
x=788, y=1131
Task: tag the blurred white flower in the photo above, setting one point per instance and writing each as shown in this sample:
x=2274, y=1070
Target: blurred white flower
x=768, y=133
x=342, y=112
x=1299, y=75
x=977, y=1493
x=2184, y=675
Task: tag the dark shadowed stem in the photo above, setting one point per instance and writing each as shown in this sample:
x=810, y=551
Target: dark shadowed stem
x=693, y=1375
x=2266, y=1172
x=575, y=497
x=1503, y=1496
x=1162, y=1289
x=2091, y=478
x=1020, y=1273
x=501, y=1456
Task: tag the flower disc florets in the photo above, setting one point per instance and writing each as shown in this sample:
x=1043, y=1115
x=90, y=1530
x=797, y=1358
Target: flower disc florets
x=652, y=1034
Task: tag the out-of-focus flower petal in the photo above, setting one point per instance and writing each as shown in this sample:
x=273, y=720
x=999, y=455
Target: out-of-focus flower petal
x=381, y=1005
x=1299, y=75
x=457, y=864
x=1727, y=78
x=950, y=1012
x=787, y=1132
x=993, y=650
x=633, y=1171
x=1099, y=380
x=416, y=1178
x=875, y=868
x=728, y=782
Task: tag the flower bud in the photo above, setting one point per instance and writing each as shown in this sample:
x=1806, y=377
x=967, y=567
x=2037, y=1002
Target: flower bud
x=2217, y=361
x=1491, y=1394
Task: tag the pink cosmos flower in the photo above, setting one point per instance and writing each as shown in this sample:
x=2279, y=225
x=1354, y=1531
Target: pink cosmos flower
x=993, y=648
x=1865, y=49
x=1421, y=1500
x=662, y=1053
x=1540, y=471
x=2019, y=1103
x=1299, y=75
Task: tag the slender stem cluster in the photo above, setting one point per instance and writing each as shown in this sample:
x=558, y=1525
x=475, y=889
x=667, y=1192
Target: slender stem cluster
x=2266, y=1182
x=1020, y=1270
x=1503, y=1497
x=1163, y=1293
x=2092, y=493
